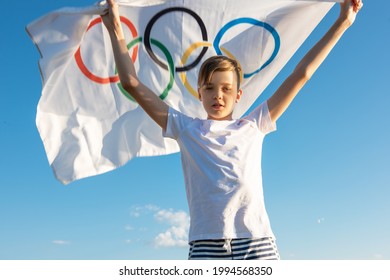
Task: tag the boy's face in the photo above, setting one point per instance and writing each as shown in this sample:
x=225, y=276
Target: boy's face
x=220, y=95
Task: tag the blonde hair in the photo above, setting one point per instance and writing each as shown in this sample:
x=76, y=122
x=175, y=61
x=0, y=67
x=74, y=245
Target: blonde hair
x=218, y=63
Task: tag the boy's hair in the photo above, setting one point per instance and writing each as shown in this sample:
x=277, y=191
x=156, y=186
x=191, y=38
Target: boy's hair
x=218, y=63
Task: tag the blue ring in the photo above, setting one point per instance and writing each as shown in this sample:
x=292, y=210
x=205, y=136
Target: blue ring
x=256, y=22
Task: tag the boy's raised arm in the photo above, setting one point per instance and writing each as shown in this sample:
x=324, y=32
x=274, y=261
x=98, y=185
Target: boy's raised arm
x=147, y=99
x=284, y=95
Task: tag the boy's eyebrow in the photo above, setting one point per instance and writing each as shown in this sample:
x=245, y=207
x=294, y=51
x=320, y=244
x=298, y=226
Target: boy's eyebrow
x=225, y=84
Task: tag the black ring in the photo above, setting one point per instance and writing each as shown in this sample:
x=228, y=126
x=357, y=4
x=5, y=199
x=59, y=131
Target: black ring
x=149, y=29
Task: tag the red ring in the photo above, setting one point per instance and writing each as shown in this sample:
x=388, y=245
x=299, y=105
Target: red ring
x=85, y=70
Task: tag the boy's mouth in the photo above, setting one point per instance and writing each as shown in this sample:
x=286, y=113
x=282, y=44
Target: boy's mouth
x=217, y=106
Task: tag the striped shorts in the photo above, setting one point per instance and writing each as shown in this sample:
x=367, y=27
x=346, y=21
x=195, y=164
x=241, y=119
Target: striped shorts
x=234, y=249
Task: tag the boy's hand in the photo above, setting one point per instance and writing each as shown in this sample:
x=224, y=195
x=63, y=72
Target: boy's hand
x=111, y=18
x=349, y=10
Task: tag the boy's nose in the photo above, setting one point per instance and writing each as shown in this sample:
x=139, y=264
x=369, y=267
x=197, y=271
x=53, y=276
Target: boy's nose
x=218, y=94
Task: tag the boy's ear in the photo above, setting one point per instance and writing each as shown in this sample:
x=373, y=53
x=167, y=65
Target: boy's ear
x=239, y=94
x=199, y=95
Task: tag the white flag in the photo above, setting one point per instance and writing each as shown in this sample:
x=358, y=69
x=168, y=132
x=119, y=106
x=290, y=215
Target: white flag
x=90, y=125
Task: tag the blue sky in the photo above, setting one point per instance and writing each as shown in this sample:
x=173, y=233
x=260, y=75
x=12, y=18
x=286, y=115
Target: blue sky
x=326, y=170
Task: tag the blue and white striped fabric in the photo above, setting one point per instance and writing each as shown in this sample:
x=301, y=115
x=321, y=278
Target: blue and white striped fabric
x=234, y=249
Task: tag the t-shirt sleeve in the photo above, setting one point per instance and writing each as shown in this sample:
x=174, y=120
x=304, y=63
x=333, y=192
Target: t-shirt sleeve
x=177, y=121
x=262, y=117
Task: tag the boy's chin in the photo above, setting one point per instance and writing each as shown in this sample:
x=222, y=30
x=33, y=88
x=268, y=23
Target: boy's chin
x=221, y=117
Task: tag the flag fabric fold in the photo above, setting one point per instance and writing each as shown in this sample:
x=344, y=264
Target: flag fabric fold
x=90, y=125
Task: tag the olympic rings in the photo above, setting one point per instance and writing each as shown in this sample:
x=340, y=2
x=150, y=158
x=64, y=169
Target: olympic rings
x=183, y=67
x=253, y=21
x=85, y=70
x=149, y=29
x=169, y=58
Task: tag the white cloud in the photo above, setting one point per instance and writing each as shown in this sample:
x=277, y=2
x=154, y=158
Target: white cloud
x=152, y=207
x=174, y=218
x=320, y=220
x=60, y=242
x=170, y=239
x=378, y=257
x=176, y=223
x=177, y=234
x=129, y=228
x=137, y=211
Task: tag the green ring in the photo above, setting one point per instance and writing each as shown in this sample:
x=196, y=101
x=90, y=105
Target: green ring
x=169, y=58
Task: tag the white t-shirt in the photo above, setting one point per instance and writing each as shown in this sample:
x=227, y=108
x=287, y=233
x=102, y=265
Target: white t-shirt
x=222, y=170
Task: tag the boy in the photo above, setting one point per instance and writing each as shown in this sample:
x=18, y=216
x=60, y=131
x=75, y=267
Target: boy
x=221, y=156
